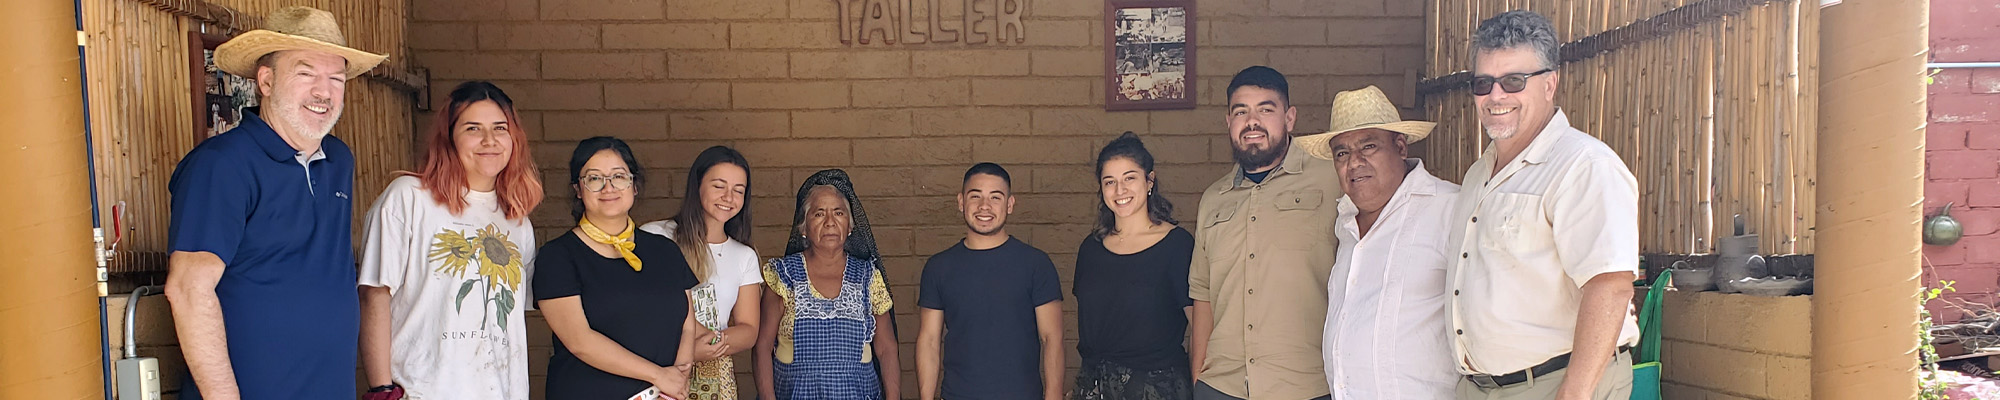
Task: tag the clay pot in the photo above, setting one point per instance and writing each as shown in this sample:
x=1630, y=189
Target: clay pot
x=1942, y=230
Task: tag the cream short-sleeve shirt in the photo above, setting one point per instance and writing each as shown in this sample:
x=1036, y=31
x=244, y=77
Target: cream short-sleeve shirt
x=1528, y=238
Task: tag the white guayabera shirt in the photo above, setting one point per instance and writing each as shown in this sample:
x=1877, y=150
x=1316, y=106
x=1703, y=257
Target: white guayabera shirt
x=1385, y=313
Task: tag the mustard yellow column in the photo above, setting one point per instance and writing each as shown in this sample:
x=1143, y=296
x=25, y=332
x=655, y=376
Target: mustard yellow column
x=1871, y=177
x=48, y=316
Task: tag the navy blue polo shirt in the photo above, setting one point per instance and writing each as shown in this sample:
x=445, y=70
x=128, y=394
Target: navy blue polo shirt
x=284, y=229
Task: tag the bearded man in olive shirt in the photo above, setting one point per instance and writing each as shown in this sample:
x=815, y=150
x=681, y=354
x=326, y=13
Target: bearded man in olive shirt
x=1264, y=247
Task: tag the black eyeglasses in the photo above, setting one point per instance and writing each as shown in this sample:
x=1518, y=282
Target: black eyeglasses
x=1512, y=83
x=597, y=183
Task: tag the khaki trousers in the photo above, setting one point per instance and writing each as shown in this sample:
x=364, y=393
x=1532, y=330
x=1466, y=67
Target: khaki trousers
x=1615, y=385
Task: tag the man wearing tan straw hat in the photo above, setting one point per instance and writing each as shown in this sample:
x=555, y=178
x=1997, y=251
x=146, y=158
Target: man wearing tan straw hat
x=1385, y=312
x=1546, y=230
x=1263, y=249
x=262, y=273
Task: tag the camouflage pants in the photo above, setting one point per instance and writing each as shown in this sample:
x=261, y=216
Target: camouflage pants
x=1105, y=380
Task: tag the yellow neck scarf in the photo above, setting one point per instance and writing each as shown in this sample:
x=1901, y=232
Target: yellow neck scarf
x=623, y=241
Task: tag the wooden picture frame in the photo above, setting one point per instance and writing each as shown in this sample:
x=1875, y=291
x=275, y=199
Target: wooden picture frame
x=1149, y=55
x=218, y=98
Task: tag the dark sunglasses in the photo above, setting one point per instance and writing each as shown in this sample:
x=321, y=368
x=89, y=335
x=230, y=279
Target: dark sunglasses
x=1512, y=83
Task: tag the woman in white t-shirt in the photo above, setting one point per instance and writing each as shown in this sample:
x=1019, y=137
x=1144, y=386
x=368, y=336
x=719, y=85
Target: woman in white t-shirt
x=711, y=229
x=445, y=262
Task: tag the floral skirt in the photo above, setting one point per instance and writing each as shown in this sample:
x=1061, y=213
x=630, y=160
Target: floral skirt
x=1105, y=380
x=713, y=380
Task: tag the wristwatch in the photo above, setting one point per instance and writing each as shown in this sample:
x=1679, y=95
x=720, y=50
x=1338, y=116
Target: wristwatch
x=390, y=391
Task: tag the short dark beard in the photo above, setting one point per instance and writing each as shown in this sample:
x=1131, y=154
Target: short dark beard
x=1253, y=159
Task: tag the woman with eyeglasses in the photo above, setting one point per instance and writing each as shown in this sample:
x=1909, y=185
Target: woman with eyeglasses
x=617, y=299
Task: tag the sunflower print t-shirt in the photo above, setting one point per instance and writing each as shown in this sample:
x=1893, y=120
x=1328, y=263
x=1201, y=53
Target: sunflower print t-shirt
x=457, y=287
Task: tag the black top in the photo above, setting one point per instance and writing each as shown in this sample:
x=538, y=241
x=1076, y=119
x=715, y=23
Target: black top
x=642, y=311
x=991, y=347
x=1129, y=308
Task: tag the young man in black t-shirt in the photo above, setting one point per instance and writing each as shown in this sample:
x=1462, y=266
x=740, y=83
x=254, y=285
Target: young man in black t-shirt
x=992, y=306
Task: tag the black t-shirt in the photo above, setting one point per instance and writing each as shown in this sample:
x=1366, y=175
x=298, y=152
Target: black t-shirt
x=1258, y=177
x=1129, y=308
x=992, y=349
x=641, y=310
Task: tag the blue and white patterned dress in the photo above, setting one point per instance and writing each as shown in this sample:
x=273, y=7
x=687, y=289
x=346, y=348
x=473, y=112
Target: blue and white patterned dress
x=824, y=348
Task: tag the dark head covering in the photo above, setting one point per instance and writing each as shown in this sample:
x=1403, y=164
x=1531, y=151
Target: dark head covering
x=860, y=241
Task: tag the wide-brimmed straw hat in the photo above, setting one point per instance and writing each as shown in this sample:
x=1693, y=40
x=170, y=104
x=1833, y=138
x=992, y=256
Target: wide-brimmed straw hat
x=292, y=28
x=1359, y=109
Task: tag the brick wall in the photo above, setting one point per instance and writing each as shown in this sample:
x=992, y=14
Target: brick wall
x=1734, y=346
x=1963, y=150
x=773, y=79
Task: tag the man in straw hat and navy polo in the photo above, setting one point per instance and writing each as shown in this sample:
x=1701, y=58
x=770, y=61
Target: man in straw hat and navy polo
x=262, y=272
x=1385, y=312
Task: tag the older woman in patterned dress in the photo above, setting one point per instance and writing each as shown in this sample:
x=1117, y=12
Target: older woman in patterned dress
x=828, y=329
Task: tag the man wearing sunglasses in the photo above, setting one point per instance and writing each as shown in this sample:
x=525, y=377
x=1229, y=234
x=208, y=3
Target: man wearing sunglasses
x=1546, y=228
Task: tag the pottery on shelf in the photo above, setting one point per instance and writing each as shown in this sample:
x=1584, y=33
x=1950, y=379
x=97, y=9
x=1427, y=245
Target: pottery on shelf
x=1693, y=279
x=1737, y=253
x=1772, y=287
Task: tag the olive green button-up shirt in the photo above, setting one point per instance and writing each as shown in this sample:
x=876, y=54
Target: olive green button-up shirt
x=1262, y=255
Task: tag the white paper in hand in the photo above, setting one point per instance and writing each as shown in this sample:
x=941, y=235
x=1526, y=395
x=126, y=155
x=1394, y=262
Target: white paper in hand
x=705, y=312
x=651, y=393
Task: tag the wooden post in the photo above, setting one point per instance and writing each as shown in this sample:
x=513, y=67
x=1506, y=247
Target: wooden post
x=1871, y=164
x=48, y=317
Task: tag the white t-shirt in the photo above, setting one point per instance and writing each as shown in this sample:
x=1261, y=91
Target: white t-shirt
x=458, y=286
x=735, y=267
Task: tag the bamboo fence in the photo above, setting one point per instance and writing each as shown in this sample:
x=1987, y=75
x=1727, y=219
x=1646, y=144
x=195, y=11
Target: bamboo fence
x=140, y=83
x=1714, y=115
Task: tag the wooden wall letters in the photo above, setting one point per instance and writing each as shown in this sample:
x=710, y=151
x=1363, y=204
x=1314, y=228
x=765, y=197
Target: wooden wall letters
x=896, y=21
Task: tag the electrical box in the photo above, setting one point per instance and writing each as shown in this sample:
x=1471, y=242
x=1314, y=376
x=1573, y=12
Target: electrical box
x=139, y=378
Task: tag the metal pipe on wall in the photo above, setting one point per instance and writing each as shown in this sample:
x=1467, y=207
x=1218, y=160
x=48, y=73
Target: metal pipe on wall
x=1870, y=189
x=48, y=329
x=1950, y=65
x=96, y=225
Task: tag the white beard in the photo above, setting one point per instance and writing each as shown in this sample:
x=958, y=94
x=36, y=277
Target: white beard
x=289, y=113
x=1498, y=134
x=310, y=132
